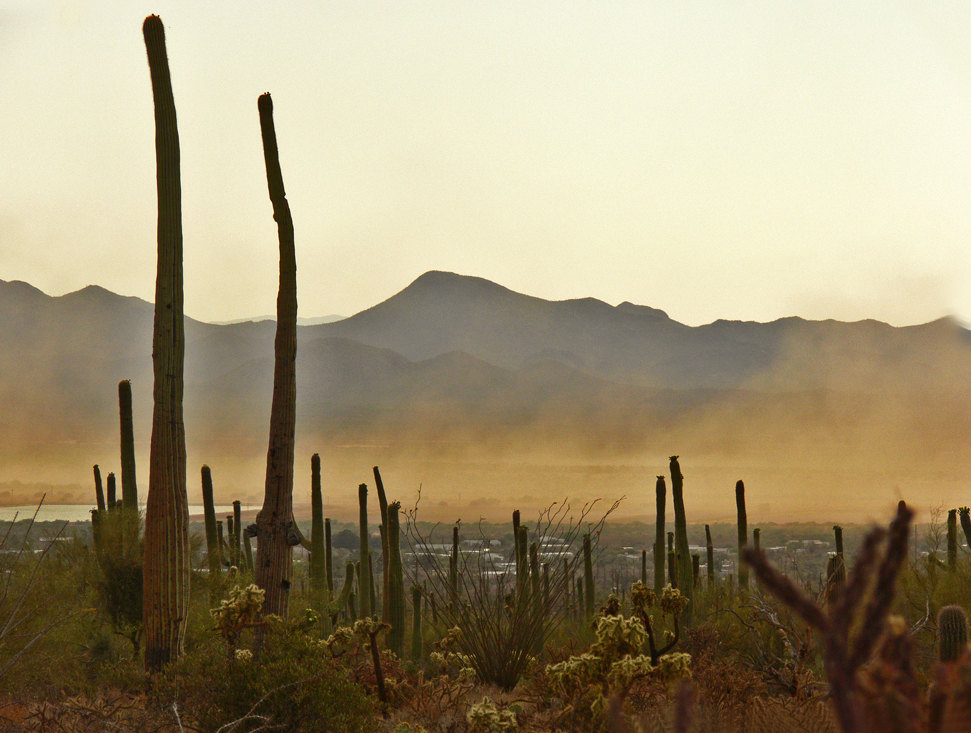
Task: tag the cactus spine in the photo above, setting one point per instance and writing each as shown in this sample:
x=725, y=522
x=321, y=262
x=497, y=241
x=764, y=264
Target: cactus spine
x=588, y=602
x=364, y=581
x=212, y=537
x=742, y=534
x=710, y=557
x=166, y=572
x=952, y=629
x=685, y=569
x=659, y=553
x=318, y=560
x=396, y=583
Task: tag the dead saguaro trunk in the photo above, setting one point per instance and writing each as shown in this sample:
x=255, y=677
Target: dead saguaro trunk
x=273, y=523
x=166, y=573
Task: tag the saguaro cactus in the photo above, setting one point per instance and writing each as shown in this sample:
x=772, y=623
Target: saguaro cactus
x=275, y=520
x=952, y=630
x=385, y=548
x=212, y=538
x=166, y=572
x=710, y=551
x=364, y=579
x=129, y=485
x=685, y=570
x=965, y=515
x=659, y=552
x=952, y=539
x=742, y=534
x=588, y=598
x=318, y=556
x=396, y=582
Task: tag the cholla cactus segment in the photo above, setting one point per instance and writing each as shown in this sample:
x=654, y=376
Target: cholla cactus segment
x=487, y=717
x=241, y=608
x=672, y=601
x=628, y=669
x=619, y=637
x=642, y=597
x=244, y=655
x=673, y=667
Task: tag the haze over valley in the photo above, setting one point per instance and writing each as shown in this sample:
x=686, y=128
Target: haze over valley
x=492, y=399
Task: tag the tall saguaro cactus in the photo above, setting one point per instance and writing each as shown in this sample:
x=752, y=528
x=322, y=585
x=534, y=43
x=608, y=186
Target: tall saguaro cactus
x=129, y=486
x=659, y=553
x=166, y=572
x=364, y=577
x=212, y=539
x=685, y=569
x=742, y=534
x=318, y=556
x=274, y=566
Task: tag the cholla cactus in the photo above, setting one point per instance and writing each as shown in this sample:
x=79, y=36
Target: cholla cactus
x=672, y=603
x=615, y=662
x=237, y=613
x=486, y=717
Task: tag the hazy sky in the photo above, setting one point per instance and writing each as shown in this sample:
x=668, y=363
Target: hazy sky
x=716, y=160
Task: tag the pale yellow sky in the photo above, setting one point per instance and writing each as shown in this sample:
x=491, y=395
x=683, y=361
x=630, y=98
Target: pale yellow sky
x=738, y=160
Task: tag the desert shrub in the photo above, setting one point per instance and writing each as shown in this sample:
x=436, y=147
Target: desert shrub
x=293, y=684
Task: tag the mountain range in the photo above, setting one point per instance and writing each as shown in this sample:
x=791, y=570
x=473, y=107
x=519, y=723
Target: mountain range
x=460, y=366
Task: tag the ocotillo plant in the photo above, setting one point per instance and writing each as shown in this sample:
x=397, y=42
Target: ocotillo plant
x=710, y=551
x=212, y=538
x=364, y=581
x=742, y=534
x=952, y=632
x=685, y=570
x=659, y=552
x=864, y=611
x=396, y=583
x=275, y=520
x=522, y=565
x=416, y=637
x=952, y=539
x=166, y=572
x=588, y=596
x=318, y=555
